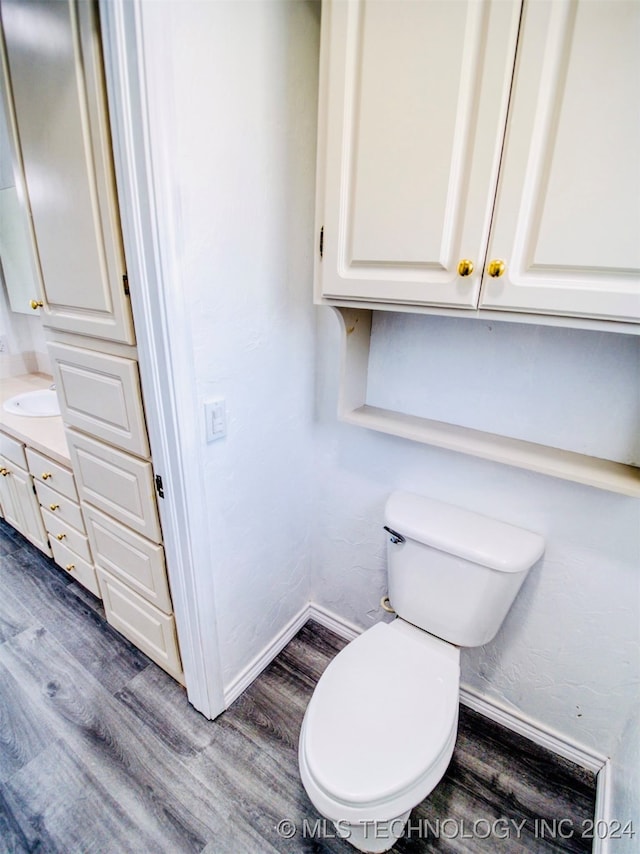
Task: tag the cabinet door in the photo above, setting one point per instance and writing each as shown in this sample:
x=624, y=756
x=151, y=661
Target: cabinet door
x=56, y=81
x=120, y=485
x=567, y=221
x=8, y=499
x=413, y=105
x=21, y=507
x=100, y=394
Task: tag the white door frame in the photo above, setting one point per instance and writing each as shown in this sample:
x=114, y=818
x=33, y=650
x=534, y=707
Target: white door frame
x=166, y=371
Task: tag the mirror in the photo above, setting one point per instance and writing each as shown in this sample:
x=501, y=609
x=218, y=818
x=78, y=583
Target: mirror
x=16, y=249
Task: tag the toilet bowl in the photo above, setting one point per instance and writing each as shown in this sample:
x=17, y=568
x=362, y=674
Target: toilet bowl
x=380, y=728
x=379, y=731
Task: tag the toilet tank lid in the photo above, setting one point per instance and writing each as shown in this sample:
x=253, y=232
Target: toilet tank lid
x=463, y=533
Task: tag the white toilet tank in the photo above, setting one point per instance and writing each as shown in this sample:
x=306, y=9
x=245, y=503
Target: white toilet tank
x=454, y=573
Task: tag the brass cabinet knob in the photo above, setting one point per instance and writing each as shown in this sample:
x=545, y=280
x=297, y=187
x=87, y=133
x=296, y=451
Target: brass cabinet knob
x=60, y=536
x=496, y=268
x=54, y=506
x=465, y=267
x=70, y=566
x=46, y=475
x=4, y=472
x=36, y=303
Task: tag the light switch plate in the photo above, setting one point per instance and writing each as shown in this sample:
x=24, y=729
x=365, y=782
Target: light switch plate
x=215, y=415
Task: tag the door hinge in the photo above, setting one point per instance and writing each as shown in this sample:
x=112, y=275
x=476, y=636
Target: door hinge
x=125, y=284
x=159, y=486
x=322, y=241
x=33, y=486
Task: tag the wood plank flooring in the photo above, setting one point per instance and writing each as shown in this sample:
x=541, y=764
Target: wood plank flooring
x=101, y=752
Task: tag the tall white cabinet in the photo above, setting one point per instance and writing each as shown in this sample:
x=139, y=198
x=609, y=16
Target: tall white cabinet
x=57, y=85
x=55, y=76
x=481, y=155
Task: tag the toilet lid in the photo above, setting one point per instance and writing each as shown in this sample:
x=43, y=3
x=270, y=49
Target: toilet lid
x=381, y=715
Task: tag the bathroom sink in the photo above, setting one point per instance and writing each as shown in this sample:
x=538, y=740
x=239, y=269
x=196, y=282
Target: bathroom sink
x=34, y=404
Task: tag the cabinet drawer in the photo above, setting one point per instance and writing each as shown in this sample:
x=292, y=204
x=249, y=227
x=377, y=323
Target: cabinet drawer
x=148, y=628
x=56, y=476
x=13, y=451
x=61, y=506
x=78, y=569
x=62, y=532
x=116, y=483
x=100, y=394
x=131, y=558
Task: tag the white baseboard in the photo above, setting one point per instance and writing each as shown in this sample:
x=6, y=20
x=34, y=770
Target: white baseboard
x=556, y=743
x=321, y=615
x=534, y=731
x=264, y=658
x=344, y=629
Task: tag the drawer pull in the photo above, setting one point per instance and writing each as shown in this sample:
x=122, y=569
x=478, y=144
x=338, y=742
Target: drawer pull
x=46, y=475
x=54, y=506
x=70, y=566
x=60, y=536
x=36, y=303
x=4, y=472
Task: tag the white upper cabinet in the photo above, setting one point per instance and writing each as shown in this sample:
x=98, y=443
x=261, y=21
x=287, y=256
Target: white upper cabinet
x=413, y=106
x=453, y=134
x=56, y=79
x=567, y=220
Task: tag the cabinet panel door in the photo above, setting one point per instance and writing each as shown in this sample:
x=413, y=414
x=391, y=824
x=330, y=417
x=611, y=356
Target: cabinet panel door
x=8, y=498
x=120, y=485
x=63, y=508
x=26, y=508
x=59, y=531
x=58, y=92
x=13, y=451
x=78, y=568
x=413, y=105
x=149, y=629
x=53, y=474
x=130, y=557
x=100, y=394
x=567, y=221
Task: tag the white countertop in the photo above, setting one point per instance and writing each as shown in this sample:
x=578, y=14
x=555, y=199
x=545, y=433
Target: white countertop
x=43, y=434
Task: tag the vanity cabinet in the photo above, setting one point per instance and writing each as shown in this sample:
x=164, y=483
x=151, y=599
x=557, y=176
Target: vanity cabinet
x=101, y=405
x=480, y=156
x=59, y=116
x=60, y=510
x=61, y=126
x=19, y=503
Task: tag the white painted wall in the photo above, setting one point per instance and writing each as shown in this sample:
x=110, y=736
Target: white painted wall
x=232, y=98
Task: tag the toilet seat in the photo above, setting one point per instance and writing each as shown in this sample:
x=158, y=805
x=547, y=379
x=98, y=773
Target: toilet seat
x=381, y=724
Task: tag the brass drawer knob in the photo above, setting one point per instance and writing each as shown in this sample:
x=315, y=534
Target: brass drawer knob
x=465, y=267
x=54, y=506
x=60, y=536
x=36, y=303
x=4, y=472
x=496, y=268
x=70, y=566
x=46, y=475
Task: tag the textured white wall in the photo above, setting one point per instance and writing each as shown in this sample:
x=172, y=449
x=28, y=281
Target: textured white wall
x=233, y=93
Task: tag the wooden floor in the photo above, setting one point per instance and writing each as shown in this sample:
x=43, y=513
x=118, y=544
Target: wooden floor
x=101, y=752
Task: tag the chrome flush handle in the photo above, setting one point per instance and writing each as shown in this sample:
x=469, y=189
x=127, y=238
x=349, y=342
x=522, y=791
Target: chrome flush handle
x=395, y=536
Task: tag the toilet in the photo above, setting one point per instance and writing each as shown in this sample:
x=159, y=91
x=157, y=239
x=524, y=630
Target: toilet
x=380, y=728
